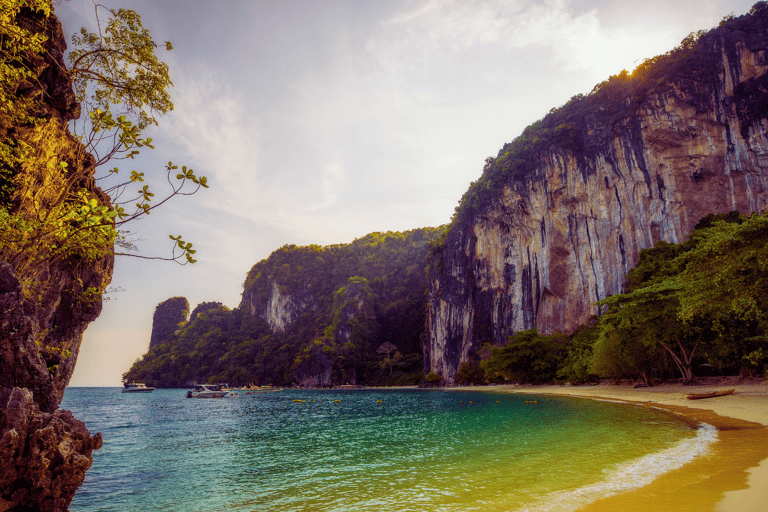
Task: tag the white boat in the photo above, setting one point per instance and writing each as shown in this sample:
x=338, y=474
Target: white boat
x=136, y=387
x=206, y=391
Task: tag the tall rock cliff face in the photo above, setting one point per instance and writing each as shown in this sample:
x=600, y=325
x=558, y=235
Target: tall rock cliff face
x=642, y=163
x=44, y=452
x=282, y=308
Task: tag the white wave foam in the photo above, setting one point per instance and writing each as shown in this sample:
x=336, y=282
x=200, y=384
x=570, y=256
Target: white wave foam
x=631, y=475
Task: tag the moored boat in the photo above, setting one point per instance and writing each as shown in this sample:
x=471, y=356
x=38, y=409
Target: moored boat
x=699, y=396
x=207, y=391
x=136, y=387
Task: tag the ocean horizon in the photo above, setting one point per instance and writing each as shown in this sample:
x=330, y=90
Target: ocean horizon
x=371, y=449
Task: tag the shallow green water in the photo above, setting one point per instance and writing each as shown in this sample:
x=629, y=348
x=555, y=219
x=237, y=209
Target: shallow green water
x=415, y=450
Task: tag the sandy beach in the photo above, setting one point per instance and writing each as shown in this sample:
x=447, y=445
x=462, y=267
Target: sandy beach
x=731, y=477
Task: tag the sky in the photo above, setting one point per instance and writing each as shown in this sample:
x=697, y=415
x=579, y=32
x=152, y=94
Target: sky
x=320, y=121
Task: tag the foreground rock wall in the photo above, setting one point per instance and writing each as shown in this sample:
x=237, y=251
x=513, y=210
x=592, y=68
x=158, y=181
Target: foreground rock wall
x=552, y=245
x=44, y=455
x=44, y=452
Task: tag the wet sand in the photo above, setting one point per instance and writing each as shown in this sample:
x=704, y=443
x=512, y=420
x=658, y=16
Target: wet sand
x=731, y=477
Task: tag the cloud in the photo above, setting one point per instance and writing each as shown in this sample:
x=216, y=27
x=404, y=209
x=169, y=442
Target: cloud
x=415, y=103
x=498, y=27
x=211, y=122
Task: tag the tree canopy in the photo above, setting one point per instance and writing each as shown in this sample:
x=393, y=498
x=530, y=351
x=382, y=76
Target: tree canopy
x=49, y=209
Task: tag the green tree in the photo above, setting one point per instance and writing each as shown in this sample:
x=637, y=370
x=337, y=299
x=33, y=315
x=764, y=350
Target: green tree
x=48, y=214
x=433, y=379
x=725, y=280
x=470, y=372
x=705, y=295
x=527, y=357
x=123, y=86
x=640, y=323
x=576, y=367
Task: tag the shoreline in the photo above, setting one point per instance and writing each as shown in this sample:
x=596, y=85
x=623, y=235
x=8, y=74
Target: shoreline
x=731, y=477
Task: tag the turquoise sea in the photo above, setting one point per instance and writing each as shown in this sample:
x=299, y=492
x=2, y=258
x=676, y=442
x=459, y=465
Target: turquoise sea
x=370, y=450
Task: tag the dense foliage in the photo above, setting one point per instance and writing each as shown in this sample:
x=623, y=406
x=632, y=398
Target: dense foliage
x=704, y=300
x=169, y=316
x=358, y=313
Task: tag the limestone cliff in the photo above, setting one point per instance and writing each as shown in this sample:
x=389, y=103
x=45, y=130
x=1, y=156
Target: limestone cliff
x=559, y=217
x=168, y=317
x=282, y=308
x=44, y=452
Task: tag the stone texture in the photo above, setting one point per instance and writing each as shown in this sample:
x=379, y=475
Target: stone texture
x=44, y=456
x=551, y=246
x=44, y=452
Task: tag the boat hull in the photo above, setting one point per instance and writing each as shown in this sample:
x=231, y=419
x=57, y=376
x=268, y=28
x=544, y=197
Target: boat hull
x=699, y=396
x=207, y=394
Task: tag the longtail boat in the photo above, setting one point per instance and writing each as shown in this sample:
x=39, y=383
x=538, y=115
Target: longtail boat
x=698, y=396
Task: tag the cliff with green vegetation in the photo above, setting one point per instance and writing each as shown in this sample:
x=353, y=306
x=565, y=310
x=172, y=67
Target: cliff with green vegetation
x=50, y=283
x=169, y=316
x=562, y=213
x=340, y=314
x=697, y=308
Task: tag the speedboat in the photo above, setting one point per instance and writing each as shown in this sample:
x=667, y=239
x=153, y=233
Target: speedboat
x=206, y=391
x=136, y=387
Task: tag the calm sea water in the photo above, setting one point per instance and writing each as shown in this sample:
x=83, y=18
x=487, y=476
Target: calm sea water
x=404, y=450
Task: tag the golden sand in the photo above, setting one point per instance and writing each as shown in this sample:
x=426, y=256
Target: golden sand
x=731, y=477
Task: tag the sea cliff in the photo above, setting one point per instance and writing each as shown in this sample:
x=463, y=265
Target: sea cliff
x=44, y=452
x=561, y=214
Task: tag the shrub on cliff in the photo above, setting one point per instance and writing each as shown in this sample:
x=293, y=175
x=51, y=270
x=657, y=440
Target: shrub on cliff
x=433, y=379
x=470, y=373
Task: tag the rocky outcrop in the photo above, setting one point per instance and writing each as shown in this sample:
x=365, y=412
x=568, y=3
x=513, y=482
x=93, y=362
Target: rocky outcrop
x=169, y=316
x=44, y=452
x=203, y=307
x=552, y=242
x=314, y=367
x=41, y=327
x=45, y=455
x=281, y=310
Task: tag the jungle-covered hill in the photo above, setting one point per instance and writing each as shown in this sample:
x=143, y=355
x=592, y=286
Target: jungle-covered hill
x=346, y=313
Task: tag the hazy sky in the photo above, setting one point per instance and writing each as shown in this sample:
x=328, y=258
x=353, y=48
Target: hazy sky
x=321, y=121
